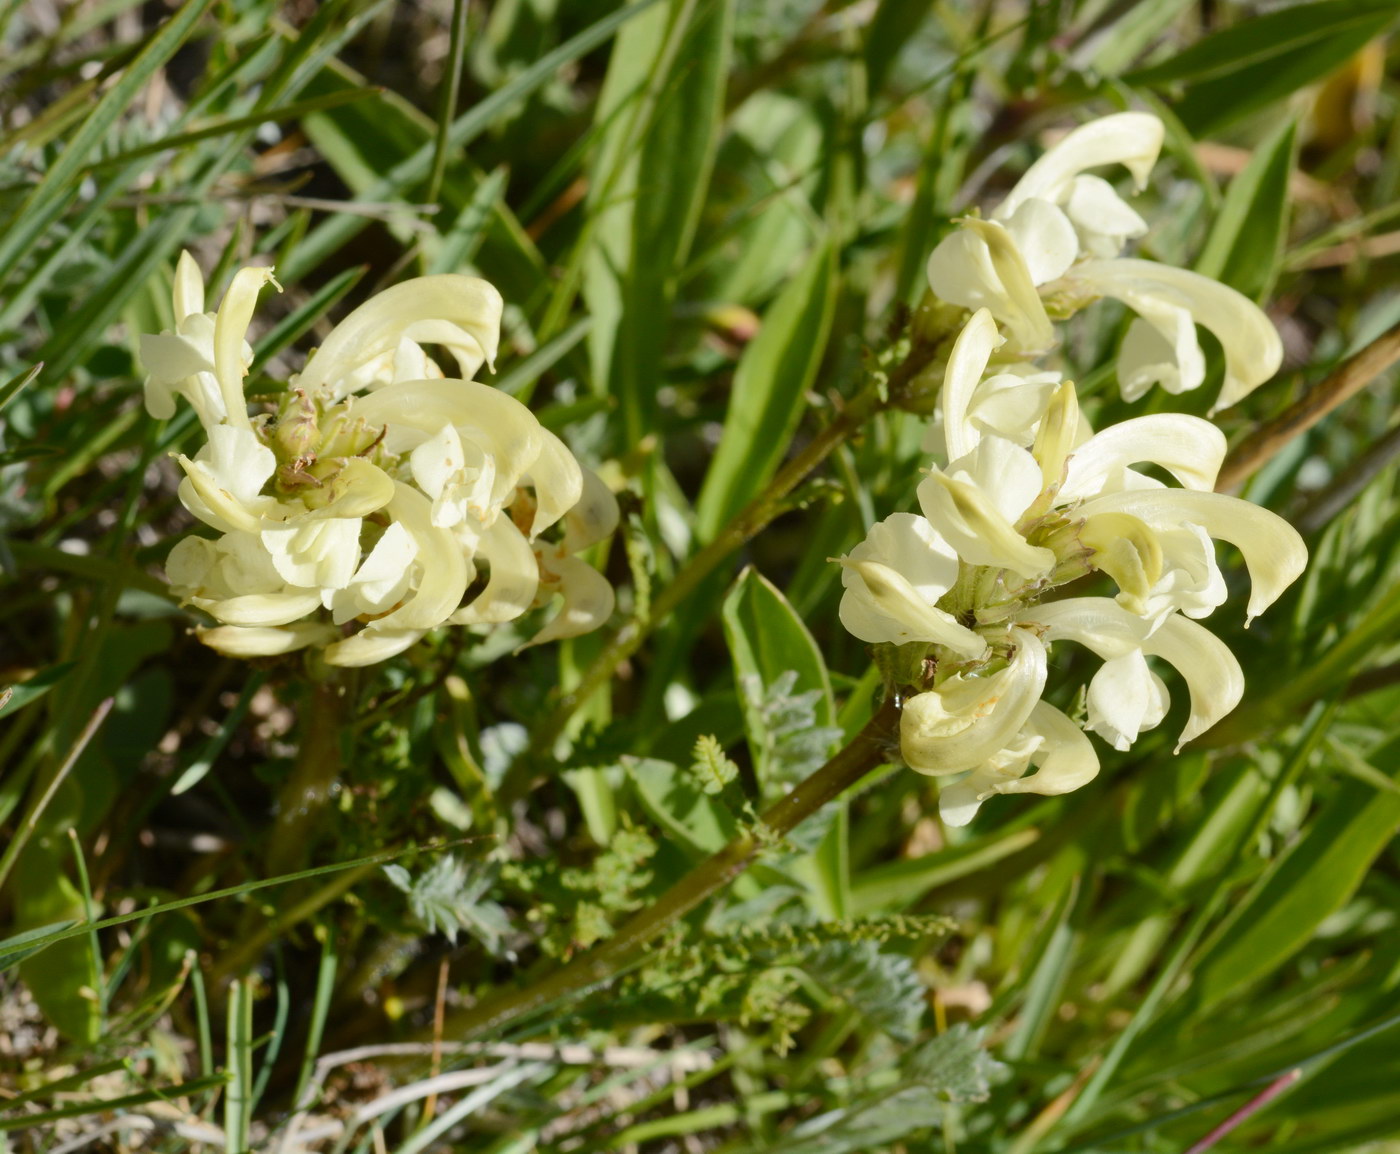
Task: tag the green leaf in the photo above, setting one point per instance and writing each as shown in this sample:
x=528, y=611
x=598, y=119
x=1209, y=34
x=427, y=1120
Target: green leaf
x=672, y=798
x=449, y=896
x=767, y=397
x=881, y=985
x=1246, y=243
x=171, y=1094
x=1266, y=58
x=768, y=640
x=953, y=1067
x=711, y=767
x=16, y=697
x=10, y=389
x=1315, y=877
x=33, y=219
x=890, y=30
x=662, y=103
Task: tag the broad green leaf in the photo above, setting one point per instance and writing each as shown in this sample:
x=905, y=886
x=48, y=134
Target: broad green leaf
x=767, y=397
x=1246, y=242
x=672, y=798
x=1315, y=876
x=767, y=640
x=1265, y=58
x=62, y=980
x=662, y=103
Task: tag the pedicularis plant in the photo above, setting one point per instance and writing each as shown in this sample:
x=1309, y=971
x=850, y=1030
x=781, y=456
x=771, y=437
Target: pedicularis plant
x=511, y=688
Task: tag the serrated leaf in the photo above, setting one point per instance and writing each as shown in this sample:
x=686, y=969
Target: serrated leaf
x=773, y=648
x=954, y=1067
x=882, y=985
x=711, y=767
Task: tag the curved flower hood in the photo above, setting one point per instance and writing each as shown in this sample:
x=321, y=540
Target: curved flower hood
x=1054, y=245
x=380, y=500
x=1028, y=503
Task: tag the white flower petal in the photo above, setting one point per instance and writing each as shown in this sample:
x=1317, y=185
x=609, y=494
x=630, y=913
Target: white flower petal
x=1274, y=553
x=463, y=313
x=593, y=518
x=1101, y=217
x=557, y=479
x=969, y=521
x=1125, y=698
x=1132, y=139
x=966, y=364
x=1253, y=350
x=1044, y=237
x=372, y=644
x=230, y=330
x=588, y=600
x=1050, y=740
x=262, y=609
x=1160, y=348
x=413, y=411
x=967, y=720
x=900, y=614
x=187, y=294
x=513, y=582
x=978, y=267
x=1189, y=448
x=382, y=578
x=235, y=641
x=1212, y=675
x=321, y=554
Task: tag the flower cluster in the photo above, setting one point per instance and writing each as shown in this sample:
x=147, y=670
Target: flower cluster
x=1053, y=246
x=1029, y=499
x=380, y=500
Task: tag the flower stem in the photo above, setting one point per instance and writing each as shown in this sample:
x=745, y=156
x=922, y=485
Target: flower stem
x=305, y=794
x=897, y=391
x=869, y=749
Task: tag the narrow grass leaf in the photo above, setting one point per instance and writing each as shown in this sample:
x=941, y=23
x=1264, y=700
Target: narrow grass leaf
x=1316, y=876
x=52, y=195
x=767, y=396
x=1245, y=248
x=1250, y=65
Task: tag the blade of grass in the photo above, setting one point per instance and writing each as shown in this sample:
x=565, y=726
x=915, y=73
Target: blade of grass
x=30, y=821
x=52, y=195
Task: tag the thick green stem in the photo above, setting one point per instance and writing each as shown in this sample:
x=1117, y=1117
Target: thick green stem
x=753, y=518
x=305, y=794
x=869, y=749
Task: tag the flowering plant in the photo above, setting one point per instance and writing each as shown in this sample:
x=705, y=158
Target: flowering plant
x=380, y=499
x=1028, y=499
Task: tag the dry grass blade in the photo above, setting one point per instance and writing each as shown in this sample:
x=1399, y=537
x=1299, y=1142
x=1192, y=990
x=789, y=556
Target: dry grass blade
x=1340, y=385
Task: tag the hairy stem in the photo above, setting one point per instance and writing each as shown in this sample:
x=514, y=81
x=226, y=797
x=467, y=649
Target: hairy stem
x=898, y=391
x=869, y=749
x=306, y=793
